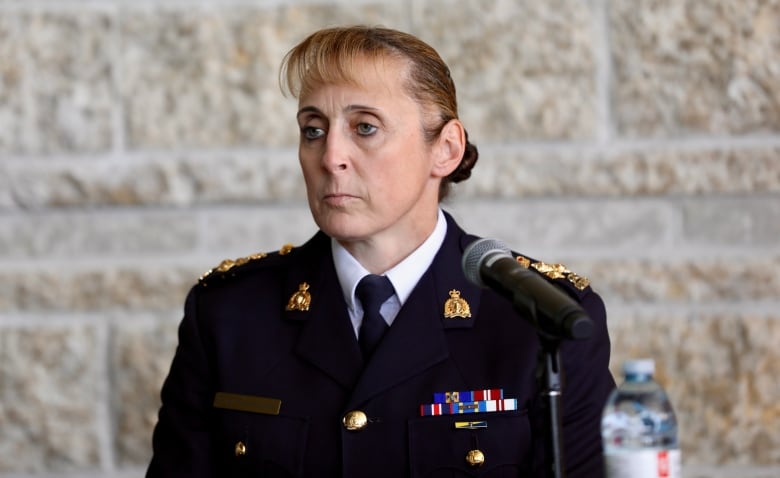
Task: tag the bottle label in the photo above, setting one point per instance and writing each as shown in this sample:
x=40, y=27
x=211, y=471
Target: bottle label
x=643, y=463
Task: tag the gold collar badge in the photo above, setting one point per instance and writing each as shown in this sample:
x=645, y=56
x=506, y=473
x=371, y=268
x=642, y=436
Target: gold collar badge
x=301, y=299
x=456, y=306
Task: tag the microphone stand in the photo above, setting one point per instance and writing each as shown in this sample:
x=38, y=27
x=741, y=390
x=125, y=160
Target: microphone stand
x=549, y=376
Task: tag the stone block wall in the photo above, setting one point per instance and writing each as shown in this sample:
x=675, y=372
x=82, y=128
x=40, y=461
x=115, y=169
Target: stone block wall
x=637, y=141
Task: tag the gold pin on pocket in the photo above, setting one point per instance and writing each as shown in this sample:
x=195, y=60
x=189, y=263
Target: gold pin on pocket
x=470, y=425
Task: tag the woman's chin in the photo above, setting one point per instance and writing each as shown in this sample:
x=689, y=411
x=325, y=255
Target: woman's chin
x=342, y=227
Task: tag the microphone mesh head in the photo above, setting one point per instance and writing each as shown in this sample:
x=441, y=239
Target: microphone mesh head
x=476, y=253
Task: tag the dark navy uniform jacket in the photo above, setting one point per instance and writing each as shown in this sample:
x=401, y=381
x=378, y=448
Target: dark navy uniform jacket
x=237, y=337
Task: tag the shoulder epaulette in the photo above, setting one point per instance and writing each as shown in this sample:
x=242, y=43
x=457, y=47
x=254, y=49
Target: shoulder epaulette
x=230, y=265
x=555, y=271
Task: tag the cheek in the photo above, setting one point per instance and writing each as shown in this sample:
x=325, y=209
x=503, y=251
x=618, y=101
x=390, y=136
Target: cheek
x=310, y=176
x=410, y=172
x=308, y=160
x=395, y=184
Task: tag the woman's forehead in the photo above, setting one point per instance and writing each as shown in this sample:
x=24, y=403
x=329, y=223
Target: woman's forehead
x=362, y=72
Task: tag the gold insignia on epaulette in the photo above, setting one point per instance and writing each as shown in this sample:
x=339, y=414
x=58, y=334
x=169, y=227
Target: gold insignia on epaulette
x=579, y=281
x=556, y=271
x=456, y=306
x=524, y=261
x=223, y=266
x=286, y=249
x=228, y=264
x=301, y=299
x=553, y=271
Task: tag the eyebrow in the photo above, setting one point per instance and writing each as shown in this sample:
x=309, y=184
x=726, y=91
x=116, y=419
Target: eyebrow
x=349, y=108
x=307, y=109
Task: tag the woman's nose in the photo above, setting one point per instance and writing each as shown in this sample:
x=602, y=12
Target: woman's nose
x=335, y=157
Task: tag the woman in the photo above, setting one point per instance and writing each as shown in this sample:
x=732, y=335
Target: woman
x=273, y=375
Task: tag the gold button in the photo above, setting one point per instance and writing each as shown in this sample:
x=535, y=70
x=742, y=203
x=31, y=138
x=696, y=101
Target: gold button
x=475, y=458
x=355, y=420
x=240, y=449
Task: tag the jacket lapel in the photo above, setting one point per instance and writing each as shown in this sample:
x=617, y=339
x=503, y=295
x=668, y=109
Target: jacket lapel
x=413, y=343
x=326, y=338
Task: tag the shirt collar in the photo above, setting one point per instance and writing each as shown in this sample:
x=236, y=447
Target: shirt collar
x=404, y=276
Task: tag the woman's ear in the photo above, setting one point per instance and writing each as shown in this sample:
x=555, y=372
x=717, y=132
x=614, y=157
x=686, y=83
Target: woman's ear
x=449, y=148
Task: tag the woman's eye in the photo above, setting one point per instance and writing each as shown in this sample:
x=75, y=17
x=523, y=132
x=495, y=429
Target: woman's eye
x=310, y=132
x=364, y=129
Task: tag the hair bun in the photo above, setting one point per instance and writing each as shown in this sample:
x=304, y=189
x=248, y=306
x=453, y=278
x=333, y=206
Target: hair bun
x=463, y=171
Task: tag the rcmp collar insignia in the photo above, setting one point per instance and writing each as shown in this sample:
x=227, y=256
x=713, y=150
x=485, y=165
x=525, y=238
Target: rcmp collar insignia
x=301, y=299
x=456, y=306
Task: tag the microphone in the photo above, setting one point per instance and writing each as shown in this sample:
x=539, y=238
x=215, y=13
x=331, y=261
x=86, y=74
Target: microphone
x=489, y=263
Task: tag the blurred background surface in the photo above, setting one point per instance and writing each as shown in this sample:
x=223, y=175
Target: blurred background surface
x=142, y=142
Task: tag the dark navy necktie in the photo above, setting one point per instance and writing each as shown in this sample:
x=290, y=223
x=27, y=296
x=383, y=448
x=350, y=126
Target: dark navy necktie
x=372, y=291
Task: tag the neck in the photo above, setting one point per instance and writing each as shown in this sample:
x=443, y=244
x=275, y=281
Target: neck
x=382, y=252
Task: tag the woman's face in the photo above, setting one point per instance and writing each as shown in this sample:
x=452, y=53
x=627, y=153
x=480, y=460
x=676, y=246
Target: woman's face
x=369, y=173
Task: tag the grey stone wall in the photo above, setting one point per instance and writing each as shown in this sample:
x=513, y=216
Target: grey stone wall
x=637, y=141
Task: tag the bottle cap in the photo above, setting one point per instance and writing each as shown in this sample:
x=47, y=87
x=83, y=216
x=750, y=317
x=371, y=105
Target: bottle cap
x=639, y=367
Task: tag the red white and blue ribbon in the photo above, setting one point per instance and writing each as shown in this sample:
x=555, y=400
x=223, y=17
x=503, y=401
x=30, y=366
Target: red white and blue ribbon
x=468, y=396
x=457, y=408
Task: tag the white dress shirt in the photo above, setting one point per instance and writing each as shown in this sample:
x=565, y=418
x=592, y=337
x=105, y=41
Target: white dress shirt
x=404, y=276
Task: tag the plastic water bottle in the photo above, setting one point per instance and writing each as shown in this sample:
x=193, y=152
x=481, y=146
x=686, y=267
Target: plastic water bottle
x=638, y=427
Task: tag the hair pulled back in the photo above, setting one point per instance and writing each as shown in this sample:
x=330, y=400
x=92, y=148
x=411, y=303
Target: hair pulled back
x=330, y=56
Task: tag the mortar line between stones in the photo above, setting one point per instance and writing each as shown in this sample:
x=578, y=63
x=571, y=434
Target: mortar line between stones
x=99, y=5
x=605, y=129
x=130, y=472
x=105, y=420
x=55, y=319
x=119, y=133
